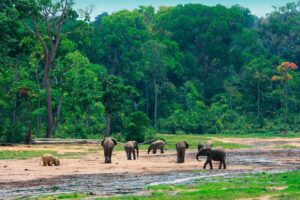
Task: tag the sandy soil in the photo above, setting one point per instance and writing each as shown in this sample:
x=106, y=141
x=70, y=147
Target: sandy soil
x=24, y=170
x=93, y=162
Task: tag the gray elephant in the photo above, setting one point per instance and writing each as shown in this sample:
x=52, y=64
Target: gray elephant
x=213, y=154
x=108, y=146
x=181, y=147
x=205, y=145
x=158, y=144
x=131, y=147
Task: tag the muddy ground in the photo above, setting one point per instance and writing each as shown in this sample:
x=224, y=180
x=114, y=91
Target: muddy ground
x=89, y=174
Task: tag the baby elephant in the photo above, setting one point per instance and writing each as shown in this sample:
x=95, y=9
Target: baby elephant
x=49, y=160
x=212, y=154
x=181, y=147
x=158, y=144
x=108, y=146
x=130, y=148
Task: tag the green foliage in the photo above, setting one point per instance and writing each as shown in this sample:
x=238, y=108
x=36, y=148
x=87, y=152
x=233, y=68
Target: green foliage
x=183, y=69
x=138, y=123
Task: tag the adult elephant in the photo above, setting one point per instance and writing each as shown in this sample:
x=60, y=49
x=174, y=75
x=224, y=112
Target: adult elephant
x=131, y=147
x=212, y=155
x=180, y=148
x=108, y=146
x=154, y=146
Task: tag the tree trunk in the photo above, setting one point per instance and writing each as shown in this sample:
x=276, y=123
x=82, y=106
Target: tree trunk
x=14, y=114
x=48, y=101
x=258, y=99
x=39, y=102
x=286, y=108
x=58, y=110
x=28, y=139
x=155, y=102
x=107, y=123
x=147, y=98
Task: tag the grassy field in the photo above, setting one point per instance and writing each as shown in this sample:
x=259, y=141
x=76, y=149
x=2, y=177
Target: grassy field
x=21, y=155
x=282, y=186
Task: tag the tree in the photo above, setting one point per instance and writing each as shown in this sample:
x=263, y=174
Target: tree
x=47, y=19
x=284, y=76
x=155, y=58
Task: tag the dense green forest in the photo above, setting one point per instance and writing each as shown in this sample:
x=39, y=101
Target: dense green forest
x=184, y=69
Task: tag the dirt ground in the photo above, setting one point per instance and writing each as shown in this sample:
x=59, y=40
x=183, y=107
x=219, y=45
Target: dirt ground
x=93, y=161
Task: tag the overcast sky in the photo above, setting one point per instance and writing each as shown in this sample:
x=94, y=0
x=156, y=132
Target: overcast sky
x=257, y=7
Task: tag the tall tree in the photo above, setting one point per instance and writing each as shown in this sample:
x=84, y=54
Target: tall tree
x=46, y=22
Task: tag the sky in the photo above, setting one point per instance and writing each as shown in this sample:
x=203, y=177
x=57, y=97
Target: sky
x=258, y=7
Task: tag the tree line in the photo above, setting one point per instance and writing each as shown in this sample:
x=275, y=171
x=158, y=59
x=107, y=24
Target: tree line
x=184, y=69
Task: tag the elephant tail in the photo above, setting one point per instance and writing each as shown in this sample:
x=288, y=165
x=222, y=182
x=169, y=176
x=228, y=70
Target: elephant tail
x=137, y=152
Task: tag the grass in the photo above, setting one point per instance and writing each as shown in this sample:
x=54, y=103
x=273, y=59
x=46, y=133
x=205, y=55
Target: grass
x=21, y=155
x=286, y=146
x=194, y=140
x=278, y=186
x=59, y=196
x=8, y=154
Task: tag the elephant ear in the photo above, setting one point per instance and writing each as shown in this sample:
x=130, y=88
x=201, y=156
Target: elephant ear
x=115, y=142
x=102, y=141
x=186, y=144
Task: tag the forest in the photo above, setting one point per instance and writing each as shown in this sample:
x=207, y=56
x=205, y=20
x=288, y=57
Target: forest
x=185, y=69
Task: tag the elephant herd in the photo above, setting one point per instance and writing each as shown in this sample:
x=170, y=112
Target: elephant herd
x=132, y=150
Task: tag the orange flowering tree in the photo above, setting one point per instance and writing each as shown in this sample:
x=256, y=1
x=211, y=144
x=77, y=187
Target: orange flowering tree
x=283, y=76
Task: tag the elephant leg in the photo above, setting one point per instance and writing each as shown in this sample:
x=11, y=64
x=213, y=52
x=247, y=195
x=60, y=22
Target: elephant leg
x=224, y=164
x=129, y=157
x=220, y=166
x=183, y=155
x=128, y=154
x=210, y=164
x=133, y=152
x=106, y=154
x=162, y=150
x=154, y=151
x=206, y=162
x=178, y=157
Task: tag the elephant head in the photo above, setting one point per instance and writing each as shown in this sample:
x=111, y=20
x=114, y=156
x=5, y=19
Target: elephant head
x=204, y=152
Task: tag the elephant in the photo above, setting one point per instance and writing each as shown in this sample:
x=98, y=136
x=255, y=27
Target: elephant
x=158, y=144
x=108, y=146
x=212, y=154
x=49, y=160
x=130, y=148
x=206, y=145
x=181, y=147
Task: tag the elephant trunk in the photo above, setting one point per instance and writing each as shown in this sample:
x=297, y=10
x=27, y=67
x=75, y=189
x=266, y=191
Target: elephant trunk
x=197, y=157
x=150, y=148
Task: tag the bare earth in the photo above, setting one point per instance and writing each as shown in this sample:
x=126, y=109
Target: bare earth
x=93, y=162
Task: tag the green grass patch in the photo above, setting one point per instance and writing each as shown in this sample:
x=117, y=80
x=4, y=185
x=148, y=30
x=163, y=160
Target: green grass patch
x=194, y=140
x=8, y=154
x=26, y=154
x=279, y=186
x=59, y=196
x=286, y=146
